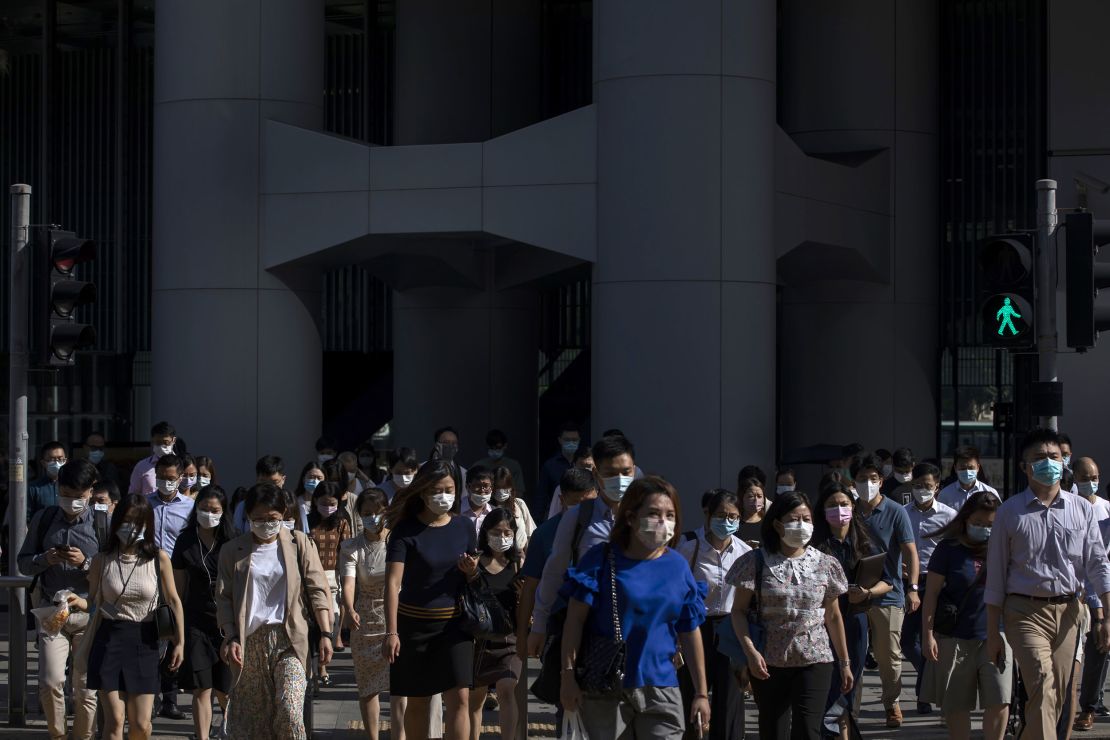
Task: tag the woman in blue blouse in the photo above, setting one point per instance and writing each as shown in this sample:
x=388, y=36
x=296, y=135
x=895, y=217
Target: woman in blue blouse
x=657, y=602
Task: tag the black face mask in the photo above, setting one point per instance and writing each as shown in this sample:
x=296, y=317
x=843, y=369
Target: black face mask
x=447, y=451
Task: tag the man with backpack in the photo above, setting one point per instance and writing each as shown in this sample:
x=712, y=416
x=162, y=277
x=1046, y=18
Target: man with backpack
x=61, y=542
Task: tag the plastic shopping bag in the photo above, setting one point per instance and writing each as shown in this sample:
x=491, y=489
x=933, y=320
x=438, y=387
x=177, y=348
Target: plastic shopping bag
x=52, y=618
x=573, y=729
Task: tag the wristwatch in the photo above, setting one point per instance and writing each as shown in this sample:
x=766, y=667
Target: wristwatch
x=86, y=564
x=913, y=587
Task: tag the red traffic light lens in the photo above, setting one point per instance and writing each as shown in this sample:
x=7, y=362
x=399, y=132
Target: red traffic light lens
x=68, y=251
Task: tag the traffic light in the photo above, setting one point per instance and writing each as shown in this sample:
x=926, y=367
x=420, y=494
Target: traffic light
x=1007, y=291
x=60, y=295
x=1085, y=275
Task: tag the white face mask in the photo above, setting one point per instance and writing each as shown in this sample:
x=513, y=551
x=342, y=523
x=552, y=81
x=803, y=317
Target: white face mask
x=190, y=481
x=868, y=489
x=654, y=533
x=498, y=543
x=783, y=489
x=161, y=450
x=903, y=477
x=289, y=524
x=72, y=505
x=128, y=534
x=100, y=507
x=204, y=481
x=479, y=500
x=922, y=495
x=796, y=534
x=166, y=487
x=440, y=503
x=402, y=480
x=208, y=519
x=267, y=530
x=324, y=458
x=615, y=487
x=502, y=494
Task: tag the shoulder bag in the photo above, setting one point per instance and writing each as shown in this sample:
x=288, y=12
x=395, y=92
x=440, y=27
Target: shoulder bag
x=727, y=641
x=947, y=614
x=164, y=619
x=600, y=666
x=481, y=614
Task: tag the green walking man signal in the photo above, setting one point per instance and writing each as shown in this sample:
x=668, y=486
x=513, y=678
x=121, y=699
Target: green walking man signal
x=1005, y=317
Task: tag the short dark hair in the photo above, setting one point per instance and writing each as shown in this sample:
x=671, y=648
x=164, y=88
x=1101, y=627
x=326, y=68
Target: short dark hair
x=780, y=507
x=786, y=471
x=614, y=432
x=1064, y=439
x=405, y=455
x=577, y=480
x=883, y=453
x=865, y=462
x=582, y=453
x=325, y=443
x=903, y=458
x=108, y=487
x=269, y=465
x=569, y=426
x=80, y=475
x=926, y=468
x=1036, y=438
x=753, y=471
x=49, y=446
x=611, y=446
x=170, y=461
x=965, y=453
x=267, y=495
x=477, y=473
x=374, y=495
x=163, y=429
x=441, y=430
x=495, y=438
x=714, y=498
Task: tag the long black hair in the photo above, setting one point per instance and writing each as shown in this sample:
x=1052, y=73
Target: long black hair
x=495, y=517
x=409, y=503
x=327, y=488
x=857, y=530
x=223, y=531
x=136, y=509
x=957, y=528
x=780, y=507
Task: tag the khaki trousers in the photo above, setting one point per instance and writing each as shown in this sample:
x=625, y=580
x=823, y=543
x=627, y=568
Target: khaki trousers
x=1043, y=638
x=886, y=640
x=53, y=654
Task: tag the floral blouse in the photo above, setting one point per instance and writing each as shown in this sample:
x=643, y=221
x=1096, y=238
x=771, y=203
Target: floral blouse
x=792, y=611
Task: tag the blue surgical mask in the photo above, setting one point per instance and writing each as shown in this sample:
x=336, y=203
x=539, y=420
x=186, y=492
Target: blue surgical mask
x=310, y=484
x=1088, y=488
x=978, y=534
x=967, y=477
x=53, y=468
x=570, y=448
x=95, y=456
x=1067, y=461
x=616, y=486
x=1048, y=472
x=722, y=527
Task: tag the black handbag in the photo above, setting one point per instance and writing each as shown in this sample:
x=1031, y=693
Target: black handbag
x=600, y=666
x=165, y=622
x=481, y=614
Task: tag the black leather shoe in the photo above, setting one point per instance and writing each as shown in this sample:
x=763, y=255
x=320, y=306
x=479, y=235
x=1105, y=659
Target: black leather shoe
x=170, y=711
x=924, y=707
x=870, y=663
x=1102, y=711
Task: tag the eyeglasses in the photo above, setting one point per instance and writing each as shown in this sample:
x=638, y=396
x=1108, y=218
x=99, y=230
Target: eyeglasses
x=482, y=488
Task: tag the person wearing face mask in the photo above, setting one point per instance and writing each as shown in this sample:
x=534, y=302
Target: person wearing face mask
x=581, y=528
x=42, y=492
x=927, y=515
x=496, y=445
x=497, y=663
x=206, y=471
x=968, y=474
x=196, y=566
x=506, y=496
x=403, y=464
x=58, y=551
x=268, y=469
x=842, y=535
x=270, y=582
x=190, y=479
x=479, y=492
x=890, y=529
x=312, y=475
x=126, y=582
x=1095, y=662
x=325, y=450
x=959, y=670
x=1065, y=451
x=429, y=558
x=551, y=472
x=163, y=437
x=711, y=553
x=1045, y=547
x=888, y=462
x=105, y=496
x=94, y=452
x=785, y=481
x=172, y=510
x=583, y=460
x=799, y=609
x=896, y=486
x=328, y=527
x=446, y=449
x=362, y=567
x=753, y=505
x=354, y=478
x=658, y=604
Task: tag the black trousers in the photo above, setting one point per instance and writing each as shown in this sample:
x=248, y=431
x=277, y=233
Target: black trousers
x=791, y=702
x=726, y=701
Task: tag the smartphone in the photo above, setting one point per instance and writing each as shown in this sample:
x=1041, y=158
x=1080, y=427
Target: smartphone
x=697, y=718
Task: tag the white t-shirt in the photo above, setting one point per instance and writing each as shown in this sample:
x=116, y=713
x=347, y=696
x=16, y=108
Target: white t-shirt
x=1102, y=508
x=267, y=588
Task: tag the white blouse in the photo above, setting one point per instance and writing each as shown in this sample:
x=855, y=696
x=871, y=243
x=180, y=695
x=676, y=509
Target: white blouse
x=266, y=591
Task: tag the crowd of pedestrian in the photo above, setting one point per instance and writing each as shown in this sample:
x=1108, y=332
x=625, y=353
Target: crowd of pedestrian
x=444, y=580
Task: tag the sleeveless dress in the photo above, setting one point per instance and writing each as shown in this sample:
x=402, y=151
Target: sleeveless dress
x=365, y=562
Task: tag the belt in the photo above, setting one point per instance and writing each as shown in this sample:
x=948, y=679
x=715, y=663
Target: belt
x=1061, y=599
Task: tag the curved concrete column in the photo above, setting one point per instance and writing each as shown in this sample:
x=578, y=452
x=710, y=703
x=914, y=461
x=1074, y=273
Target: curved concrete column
x=252, y=387
x=683, y=339
x=859, y=358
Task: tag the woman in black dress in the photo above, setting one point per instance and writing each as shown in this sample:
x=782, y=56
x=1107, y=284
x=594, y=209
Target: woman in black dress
x=196, y=560
x=430, y=556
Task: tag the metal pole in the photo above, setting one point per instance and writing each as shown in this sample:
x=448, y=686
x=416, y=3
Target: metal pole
x=1046, y=287
x=18, y=306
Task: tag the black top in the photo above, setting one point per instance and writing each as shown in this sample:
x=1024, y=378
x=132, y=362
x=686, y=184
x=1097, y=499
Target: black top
x=505, y=587
x=432, y=578
x=193, y=556
x=751, y=531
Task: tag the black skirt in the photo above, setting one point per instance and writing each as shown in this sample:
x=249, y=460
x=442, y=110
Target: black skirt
x=124, y=657
x=202, y=667
x=435, y=656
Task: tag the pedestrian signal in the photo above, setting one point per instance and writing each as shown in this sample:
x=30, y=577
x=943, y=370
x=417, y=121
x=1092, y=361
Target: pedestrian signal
x=1007, y=291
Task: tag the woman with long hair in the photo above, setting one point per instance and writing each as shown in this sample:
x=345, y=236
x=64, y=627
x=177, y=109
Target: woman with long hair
x=189, y=482
x=429, y=559
x=959, y=671
x=312, y=475
x=505, y=496
x=798, y=607
x=196, y=566
x=328, y=528
x=126, y=581
x=657, y=605
x=206, y=471
x=753, y=505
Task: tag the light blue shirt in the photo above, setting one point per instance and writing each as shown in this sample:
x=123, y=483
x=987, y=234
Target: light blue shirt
x=555, y=569
x=954, y=496
x=170, y=517
x=926, y=522
x=1038, y=550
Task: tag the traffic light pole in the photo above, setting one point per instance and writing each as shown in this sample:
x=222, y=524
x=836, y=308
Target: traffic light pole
x=18, y=302
x=1046, y=287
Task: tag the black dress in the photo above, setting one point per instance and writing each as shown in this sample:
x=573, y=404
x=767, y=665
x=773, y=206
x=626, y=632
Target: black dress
x=202, y=668
x=495, y=658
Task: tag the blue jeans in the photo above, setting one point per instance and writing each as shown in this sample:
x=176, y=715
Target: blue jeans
x=911, y=638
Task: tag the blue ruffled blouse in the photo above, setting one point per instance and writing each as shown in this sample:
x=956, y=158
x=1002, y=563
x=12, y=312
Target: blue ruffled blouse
x=656, y=600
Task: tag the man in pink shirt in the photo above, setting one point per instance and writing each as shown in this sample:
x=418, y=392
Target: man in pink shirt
x=162, y=439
